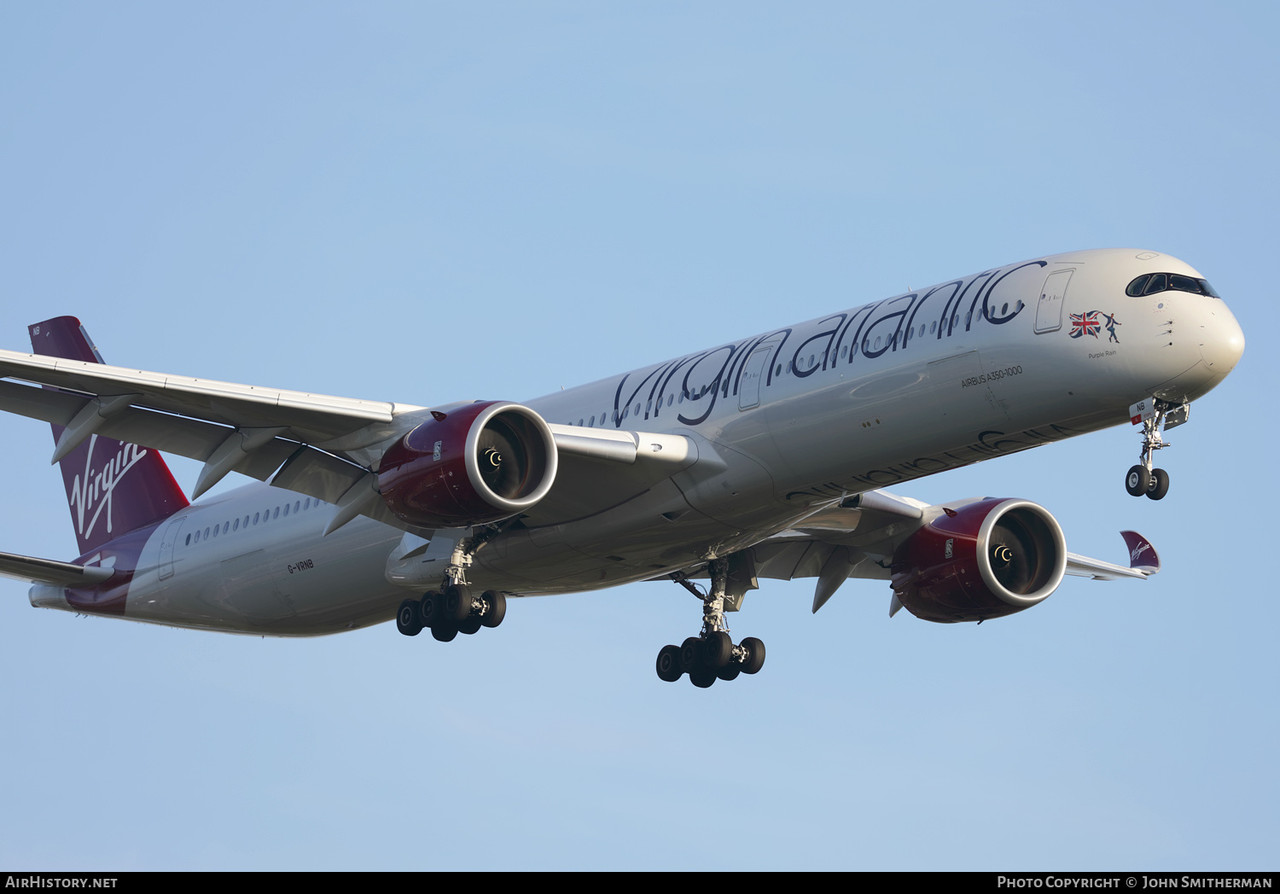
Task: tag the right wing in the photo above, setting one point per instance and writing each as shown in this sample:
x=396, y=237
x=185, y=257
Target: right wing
x=319, y=445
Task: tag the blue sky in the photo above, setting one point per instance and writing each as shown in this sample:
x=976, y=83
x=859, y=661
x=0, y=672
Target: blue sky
x=434, y=202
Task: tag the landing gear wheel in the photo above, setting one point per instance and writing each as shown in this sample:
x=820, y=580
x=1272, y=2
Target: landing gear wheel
x=669, y=668
x=409, y=618
x=730, y=671
x=1159, y=484
x=717, y=650
x=430, y=608
x=1137, y=481
x=444, y=632
x=702, y=676
x=755, y=655
x=495, y=608
x=457, y=603
x=691, y=654
x=470, y=625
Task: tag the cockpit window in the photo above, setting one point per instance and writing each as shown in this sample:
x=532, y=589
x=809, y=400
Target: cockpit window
x=1151, y=283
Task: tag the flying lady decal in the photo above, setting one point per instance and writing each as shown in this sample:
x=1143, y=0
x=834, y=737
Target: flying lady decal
x=1088, y=323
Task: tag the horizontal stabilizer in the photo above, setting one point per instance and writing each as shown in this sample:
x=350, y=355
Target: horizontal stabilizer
x=50, y=571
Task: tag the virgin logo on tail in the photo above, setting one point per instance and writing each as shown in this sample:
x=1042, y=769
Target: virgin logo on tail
x=91, y=492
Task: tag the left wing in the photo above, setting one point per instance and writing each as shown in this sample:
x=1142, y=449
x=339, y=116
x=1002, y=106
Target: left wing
x=860, y=537
x=1143, y=561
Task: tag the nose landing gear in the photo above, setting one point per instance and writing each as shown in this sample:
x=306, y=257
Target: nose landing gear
x=1154, y=414
x=1152, y=483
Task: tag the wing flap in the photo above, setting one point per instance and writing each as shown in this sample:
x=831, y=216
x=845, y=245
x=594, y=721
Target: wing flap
x=314, y=444
x=208, y=421
x=331, y=479
x=179, y=435
x=309, y=417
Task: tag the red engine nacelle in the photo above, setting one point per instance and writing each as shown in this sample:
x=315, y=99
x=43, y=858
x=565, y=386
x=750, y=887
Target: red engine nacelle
x=984, y=560
x=474, y=464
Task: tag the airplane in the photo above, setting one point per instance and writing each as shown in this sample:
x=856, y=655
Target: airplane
x=763, y=457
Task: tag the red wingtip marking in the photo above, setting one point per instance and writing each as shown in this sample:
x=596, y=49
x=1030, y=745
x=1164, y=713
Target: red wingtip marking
x=1142, y=555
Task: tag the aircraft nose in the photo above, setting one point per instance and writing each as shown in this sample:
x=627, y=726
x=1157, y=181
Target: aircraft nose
x=1204, y=325
x=1221, y=341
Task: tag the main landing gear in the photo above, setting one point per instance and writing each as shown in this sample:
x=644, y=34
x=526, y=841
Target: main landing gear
x=453, y=609
x=1143, y=479
x=712, y=655
x=450, y=612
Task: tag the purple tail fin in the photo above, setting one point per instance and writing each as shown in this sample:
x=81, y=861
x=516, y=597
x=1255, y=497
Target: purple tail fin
x=112, y=487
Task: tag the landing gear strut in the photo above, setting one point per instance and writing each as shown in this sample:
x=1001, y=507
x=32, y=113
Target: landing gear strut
x=453, y=609
x=1143, y=479
x=712, y=655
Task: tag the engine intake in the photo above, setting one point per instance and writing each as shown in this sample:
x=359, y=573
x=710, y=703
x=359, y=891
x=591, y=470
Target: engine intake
x=474, y=464
x=984, y=560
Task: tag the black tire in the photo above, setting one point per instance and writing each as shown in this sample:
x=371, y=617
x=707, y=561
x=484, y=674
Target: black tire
x=495, y=608
x=430, y=608
x=470, y=625
x=668, y=666
x=1159, y=485
x=1137, y=481
x=702, y=677
x=409, y=618
x=730, y=671
x=444, y=632
x=717, y=650
x=691, y=655
x=755, y=655
x=457, y=603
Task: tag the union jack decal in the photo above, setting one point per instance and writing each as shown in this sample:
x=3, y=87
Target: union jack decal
x=1086, y=323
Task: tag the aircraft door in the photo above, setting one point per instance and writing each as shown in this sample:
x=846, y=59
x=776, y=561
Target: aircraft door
x=1052, y=296
x=754, y=372
x=167, y=541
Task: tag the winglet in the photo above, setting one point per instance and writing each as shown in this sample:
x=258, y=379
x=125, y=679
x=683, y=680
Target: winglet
x=1142, y=555
x=1143, y=561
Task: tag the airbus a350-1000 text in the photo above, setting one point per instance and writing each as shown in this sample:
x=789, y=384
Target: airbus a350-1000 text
x=757, y=458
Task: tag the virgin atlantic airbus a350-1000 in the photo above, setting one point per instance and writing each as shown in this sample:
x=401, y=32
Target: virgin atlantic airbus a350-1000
x=757, y=458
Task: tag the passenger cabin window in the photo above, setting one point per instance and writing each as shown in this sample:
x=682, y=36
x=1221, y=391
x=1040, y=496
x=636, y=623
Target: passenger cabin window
x=1153, y=283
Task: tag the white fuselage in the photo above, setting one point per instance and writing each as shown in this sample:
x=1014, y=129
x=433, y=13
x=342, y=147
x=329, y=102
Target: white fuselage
x=783, y=422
